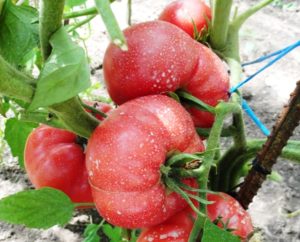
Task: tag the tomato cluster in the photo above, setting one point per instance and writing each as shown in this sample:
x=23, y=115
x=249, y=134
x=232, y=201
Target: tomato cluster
x=120, y=169
x=177, y=228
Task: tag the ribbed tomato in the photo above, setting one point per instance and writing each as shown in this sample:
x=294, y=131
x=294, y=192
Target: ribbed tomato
x=124, y=155
x=162, y=58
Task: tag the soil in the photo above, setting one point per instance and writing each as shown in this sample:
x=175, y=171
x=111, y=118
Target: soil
x=273, y=28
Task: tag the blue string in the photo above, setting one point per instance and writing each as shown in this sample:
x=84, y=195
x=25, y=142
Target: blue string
x=280, y=54
x=255, y=119
x=262, y=58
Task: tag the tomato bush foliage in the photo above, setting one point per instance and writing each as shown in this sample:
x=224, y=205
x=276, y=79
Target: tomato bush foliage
x=143, y=165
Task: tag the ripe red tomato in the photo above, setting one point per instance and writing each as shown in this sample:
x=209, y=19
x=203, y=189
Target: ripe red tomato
x=54, y=159
x=124, y=155
x=163, y=58
x=183, y=13
x=179, y=226
x=230, y=210
x=175, y=229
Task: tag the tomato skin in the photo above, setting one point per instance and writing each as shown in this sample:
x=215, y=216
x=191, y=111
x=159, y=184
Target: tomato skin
x=175, y=229
x=229, y=208
x=54, y=159
x=159, y=58
x=210, y=83
x=124, y=155
x=162, y=58
x=179, y=226
x=183, y=13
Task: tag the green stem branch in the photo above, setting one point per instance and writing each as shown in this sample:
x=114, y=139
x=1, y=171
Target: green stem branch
x=80, y=13
x=241, y=19
x=220, y=23
x=222, y=110
x=15, y=84
x=51, y=12
x=81, y=23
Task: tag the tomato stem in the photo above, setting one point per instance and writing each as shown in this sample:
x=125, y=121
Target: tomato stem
x=77, y=25
x=220, y=23
x=14, y=83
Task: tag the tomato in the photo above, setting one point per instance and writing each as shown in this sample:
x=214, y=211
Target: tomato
x=53, y=158
x=185, y=13
x=162, y=58
x=230, y=210
x=124, y=155
x=178, y=227
x=175, y=229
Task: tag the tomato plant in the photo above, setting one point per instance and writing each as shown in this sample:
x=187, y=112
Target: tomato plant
x=145, y=163
x=187, y=14
x=161, y=58
x=127, y=188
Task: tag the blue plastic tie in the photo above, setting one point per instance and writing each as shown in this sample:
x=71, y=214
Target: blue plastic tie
x=255, y=119
x=265, y=57
x=280, y=54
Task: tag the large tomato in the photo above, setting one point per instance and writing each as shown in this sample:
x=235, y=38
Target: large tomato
x=187, y=13
x=53, y=158
x=162, y=58
x=124, y=155
x=179, y=226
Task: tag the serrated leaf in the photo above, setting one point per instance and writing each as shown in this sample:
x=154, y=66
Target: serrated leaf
x=73, y=3
x=113, y=233
x=15, y=134
x=65, y=74
x=18, y=32
x=91, y=233
x=41, y=208
x=212, y=233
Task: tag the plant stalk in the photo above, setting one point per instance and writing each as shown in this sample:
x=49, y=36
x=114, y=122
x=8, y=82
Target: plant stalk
x=15, y=84
x=287, y=121
x=220, y=23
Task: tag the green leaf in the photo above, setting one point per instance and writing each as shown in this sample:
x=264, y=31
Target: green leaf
x=18, y=32
x=65, y=74
x=113, y=233
x=73, y=3
x=4, y=105
x=41, y=208
x=212, y=233
x=16, y=133
x=116, y=35
x=91, y=233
